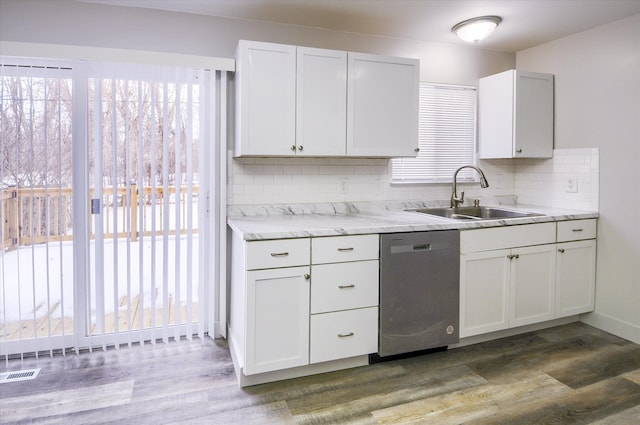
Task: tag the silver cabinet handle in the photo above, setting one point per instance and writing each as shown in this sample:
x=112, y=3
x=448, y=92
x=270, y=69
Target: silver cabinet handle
x=519, y=150
x=345, y=335
x=512, y=256
x=307, y=276
x=293, y=147
x=346, y=286
x=416, y=150
x=300, y=147
x=345, y=249
x=561, y=250
x=577, y=230
x=279, y=254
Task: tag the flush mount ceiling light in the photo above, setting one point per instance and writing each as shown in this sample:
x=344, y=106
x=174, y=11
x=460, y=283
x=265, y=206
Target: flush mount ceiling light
x=476, y=29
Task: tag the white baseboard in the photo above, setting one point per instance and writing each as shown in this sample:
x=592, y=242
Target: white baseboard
x=613, y=325
x=470, y=340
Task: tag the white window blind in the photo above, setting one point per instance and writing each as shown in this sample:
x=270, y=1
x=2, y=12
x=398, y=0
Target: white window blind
x=447, y=136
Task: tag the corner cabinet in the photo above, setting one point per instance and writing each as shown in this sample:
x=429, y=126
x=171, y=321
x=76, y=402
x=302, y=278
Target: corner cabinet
x=302, y=306
x=515, y=115
x=520, y=275
x=301, y=101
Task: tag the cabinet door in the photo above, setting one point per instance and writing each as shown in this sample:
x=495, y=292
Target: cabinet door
x=266, y=96
x=532, y=284
x=321, y=102
x=484, y=292
x=575, y=277
x=515, y=115
x=533, y=116
x=277, y=319
x=382, y=106
x=495, y=115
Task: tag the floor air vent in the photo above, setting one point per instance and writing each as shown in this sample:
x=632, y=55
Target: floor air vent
x=19, y=375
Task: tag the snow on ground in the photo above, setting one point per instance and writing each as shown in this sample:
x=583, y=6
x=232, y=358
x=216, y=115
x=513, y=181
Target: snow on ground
x=39, y=278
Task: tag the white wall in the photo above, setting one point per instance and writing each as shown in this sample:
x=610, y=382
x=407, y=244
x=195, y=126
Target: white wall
x=597, y=104
x=76, y=23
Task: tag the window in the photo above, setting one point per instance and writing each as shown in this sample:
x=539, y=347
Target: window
x=447, y=136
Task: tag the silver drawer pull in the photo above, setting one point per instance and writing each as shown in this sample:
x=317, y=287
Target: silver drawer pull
x=345, y=335
x=561, y=250
x=345, y=249
x=346, y=286
x=577, y=230
x=279, y=254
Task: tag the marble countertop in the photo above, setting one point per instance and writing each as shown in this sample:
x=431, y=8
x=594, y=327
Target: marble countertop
x=337, y=219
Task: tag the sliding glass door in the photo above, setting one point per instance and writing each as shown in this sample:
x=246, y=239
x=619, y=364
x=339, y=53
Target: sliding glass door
x=113, y=223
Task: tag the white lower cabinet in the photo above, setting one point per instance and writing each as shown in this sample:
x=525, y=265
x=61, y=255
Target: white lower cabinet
x=506, y=288
x=278, y=319
x=520, y=275
x=576, y=267
x=344, y=297
x=291, y=309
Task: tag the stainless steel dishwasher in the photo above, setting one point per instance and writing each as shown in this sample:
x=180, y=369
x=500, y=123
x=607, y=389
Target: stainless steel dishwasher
x=419, y=291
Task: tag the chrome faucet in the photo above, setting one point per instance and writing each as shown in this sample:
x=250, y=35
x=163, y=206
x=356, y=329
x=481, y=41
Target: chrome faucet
x=455, y=201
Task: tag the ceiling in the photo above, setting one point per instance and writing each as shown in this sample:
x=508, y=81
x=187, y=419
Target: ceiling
x=526, y=23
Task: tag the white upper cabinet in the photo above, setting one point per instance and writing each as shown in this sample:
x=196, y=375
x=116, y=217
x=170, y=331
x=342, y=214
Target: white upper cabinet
x=316, y=102
x=382, y=106
x=516, y=115
x=265, y=99
x=321, y=102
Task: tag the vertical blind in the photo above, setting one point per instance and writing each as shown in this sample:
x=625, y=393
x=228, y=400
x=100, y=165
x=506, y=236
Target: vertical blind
x=446, y=137
x=133, y=243
x=36, y=273
x=144, y=144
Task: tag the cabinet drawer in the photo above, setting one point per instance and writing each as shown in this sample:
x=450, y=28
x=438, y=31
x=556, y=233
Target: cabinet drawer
x=507, y=237
x=278, y=253
x=338, y=249
x=343, y=334
x=344, y=286
x=575, y=230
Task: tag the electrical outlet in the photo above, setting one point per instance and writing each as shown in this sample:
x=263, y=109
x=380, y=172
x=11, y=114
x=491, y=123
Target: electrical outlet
x=498, y=181
x=343, y=186
x=571, y=184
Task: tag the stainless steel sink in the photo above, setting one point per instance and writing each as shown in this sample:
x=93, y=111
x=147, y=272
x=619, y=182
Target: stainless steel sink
x=475, y=213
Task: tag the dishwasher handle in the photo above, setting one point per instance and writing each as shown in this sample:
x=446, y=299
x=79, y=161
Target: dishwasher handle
x=422, y=247
x=419, y=247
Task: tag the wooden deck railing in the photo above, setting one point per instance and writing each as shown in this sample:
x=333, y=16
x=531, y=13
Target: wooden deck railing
x=39, y=215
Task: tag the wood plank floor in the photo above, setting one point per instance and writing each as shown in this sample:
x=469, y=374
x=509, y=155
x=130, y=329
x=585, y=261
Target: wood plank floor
x=572, y=374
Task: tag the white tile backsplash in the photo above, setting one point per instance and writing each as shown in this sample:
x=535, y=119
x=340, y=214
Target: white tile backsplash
x=544, y=181
x=254, y=181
